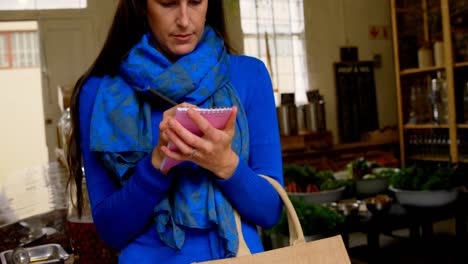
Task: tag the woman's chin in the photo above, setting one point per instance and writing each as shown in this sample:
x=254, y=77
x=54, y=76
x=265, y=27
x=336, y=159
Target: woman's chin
x=182, y=50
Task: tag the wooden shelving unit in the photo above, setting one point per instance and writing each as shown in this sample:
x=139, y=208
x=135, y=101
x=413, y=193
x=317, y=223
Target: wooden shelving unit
x=429, y=158
x=461, y=64
x=424, y=126
x=420, y=70
x=417, y=22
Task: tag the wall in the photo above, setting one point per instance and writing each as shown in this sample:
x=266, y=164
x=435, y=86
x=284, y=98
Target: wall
x=328, y=26
x=23, y=134
x=233, y=26
x=334, y=23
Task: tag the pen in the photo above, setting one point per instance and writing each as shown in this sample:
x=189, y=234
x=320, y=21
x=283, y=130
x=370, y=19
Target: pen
x=163, y=97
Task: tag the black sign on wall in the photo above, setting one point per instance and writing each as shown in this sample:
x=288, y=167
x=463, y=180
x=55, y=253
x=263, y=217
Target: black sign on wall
x=356, y=100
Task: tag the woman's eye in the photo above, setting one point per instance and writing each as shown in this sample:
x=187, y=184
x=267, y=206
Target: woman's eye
x=196, y=2
x=168, y=3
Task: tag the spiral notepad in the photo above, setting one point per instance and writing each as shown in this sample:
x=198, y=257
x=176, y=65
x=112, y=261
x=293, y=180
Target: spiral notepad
x=217, y=117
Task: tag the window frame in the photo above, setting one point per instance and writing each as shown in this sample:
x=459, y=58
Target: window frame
x=9, y=54
x=282, y=79
x=16, y=6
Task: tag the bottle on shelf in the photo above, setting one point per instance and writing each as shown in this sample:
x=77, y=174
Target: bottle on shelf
x=413, y=118
x=439, y=99
x=439, y=59
x=465, y=103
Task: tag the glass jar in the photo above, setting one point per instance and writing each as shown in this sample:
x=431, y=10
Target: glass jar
x=64, y=129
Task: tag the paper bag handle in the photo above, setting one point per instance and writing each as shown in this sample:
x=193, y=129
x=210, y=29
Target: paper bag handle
x=296, y=235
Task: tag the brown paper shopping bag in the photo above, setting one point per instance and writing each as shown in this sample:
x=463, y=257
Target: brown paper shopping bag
x=324, y=251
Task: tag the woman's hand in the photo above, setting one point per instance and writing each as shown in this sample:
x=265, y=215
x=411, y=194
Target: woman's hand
x=157, y=156
x=211, y=151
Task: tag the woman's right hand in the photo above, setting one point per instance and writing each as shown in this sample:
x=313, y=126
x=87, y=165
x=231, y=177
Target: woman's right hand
x=157, y=156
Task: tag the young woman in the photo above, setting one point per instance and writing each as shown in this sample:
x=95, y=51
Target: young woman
x=176, y=48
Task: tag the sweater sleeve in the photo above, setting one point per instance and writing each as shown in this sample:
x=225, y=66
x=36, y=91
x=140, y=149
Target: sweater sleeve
x=254, y=197
x=119, y=213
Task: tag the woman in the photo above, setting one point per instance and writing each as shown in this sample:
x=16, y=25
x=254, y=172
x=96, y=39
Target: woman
x=176, y=48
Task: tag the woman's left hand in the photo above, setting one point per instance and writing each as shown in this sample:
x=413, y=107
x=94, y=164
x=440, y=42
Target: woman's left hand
x=211, y=151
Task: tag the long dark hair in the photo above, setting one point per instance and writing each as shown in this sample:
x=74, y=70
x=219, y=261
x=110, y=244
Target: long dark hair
x=128, y=26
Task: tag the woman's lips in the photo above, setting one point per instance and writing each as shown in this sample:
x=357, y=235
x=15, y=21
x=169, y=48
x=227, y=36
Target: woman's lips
x=182, y=37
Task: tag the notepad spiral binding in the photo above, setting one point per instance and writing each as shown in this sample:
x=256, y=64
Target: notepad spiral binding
x=216, y=116
x=214, y=110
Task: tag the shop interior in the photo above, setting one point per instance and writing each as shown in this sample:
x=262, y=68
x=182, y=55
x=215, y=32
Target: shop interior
x=372, y=106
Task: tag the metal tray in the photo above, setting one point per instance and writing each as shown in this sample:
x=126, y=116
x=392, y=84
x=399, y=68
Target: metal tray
x=49, y=253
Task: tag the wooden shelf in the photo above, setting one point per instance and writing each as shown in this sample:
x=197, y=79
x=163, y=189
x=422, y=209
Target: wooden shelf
x=461, y=64
x=422, y=76
x=425, y=126
x=420, y=70
x=429, y=158
x=312, y=140
x=338, y=156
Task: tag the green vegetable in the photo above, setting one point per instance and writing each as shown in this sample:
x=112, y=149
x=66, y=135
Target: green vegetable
x=369, y=176
x=315, y=219
x=298, y=174
x=304, y=175
x=360, y=167
x=426, y=176
x=387, y=172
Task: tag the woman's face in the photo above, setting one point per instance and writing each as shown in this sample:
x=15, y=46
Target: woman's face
x=177, y=25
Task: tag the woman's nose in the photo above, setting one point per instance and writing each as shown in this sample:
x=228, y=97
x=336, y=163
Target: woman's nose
x=183, y=17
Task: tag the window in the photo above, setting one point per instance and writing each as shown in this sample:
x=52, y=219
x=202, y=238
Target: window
x=274, y=32
x=42, y=4
x=19, y=49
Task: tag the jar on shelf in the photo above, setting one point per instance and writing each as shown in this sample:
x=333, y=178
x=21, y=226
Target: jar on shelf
x=425, y=57
x=64, y=128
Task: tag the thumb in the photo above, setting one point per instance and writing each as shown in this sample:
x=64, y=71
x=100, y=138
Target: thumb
x=231, y=123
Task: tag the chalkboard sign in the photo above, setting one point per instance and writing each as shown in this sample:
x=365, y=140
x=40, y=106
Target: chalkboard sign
x=356, y=100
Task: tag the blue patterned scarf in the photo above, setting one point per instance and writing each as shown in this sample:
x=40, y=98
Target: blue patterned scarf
x=121, y=133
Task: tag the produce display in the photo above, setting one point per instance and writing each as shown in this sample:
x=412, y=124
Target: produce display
x=305, y=179
x=425, y=176
x=314, y=219
x=362, y=169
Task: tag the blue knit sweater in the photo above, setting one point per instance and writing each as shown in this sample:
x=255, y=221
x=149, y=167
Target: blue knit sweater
x=124, y=216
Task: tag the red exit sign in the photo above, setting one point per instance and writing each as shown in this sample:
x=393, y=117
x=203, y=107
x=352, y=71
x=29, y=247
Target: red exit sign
x=379, y=32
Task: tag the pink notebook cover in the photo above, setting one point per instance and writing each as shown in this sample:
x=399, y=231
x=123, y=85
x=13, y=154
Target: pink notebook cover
x=217, y=117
